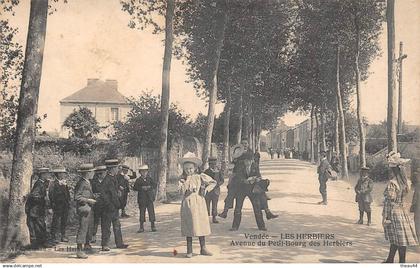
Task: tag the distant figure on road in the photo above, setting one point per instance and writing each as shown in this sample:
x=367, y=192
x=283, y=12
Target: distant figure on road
x=323, y=169
x=278, y=152
x=363, y=190
x=272, y=153
x=396, y=220
x=257, y=157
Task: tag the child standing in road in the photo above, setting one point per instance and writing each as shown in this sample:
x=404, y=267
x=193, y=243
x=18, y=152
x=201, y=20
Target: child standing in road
x=363, y=190
x=193, y=187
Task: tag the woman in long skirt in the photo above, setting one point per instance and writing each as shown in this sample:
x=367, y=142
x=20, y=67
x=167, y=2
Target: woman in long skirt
x=398, y=228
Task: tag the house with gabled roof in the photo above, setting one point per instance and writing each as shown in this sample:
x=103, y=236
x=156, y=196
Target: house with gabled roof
x=107, y=104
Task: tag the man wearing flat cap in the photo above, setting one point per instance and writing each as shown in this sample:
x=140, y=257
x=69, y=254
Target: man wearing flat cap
x=35, y=210
x=96, y=182
x=212, y=197
x=124, y=188
x=83, y=195
x=109, y=194
x=59, y=196
x=323, y=169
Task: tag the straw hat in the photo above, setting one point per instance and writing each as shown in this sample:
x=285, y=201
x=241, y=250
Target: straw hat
x=144, y=167
x=59, y=170
x=394, y=159
x=111, y=163
x=190, y=157
x=237, y=151
x=86, y=168
x=100, y=168
x=41, y=170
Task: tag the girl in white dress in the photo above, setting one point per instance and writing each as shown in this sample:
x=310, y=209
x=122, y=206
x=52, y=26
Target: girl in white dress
x=194, y=218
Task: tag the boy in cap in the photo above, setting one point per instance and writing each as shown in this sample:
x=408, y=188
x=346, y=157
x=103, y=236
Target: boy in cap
x=109, y=194
x=212, y=197
x=59, y=196
x=146, y=188
x=363, y=191
x=35, y=210
x=83, y=195
x=96, y=182
x=124, y=188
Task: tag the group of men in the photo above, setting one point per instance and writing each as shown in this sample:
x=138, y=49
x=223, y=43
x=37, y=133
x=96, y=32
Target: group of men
x=100, y=193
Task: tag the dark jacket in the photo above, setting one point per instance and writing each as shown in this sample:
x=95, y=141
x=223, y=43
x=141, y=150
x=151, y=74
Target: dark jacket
x=35, y=204
x=144, y=196
x=124, y=184
x=59, y=196
x=109, y=193
x=217, y=176
x=323, y=168
x=241, y=174
x=82, y=192
x=364, y=189
x=96, y=189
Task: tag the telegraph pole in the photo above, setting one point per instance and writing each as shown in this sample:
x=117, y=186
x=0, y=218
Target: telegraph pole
x=392, y=98
x=400, y=62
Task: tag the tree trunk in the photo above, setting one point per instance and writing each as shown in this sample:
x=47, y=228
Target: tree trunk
x=17, y=231
x=336, y=130
x=317, y=134
x=312, y=157
x=362, y=141
x=221, y=19
x=164, y=103
x=322, y=118
x=343, y=151
x=228, y=105
x=392, y=96
x=240, y=113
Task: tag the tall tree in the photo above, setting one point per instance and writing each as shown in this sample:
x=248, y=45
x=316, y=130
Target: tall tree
x=166, y=78
x=16, y=231
x=221, y=19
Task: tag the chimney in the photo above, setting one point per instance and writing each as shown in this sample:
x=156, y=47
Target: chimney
x=92, y=81
x=112, y=83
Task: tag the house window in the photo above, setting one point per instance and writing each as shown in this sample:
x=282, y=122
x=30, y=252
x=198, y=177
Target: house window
x=114, y=114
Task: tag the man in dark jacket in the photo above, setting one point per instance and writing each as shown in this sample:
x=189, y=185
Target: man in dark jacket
x=146, y=188
x=363, y=189
x=59, y=196
x=109, y=194
x=212, y=197
x=100, y=173
x=323, y=169
x=35, y=210
x=83, y=195
x=124, y=188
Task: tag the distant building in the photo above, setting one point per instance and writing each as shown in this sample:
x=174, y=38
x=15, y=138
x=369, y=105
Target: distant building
x=107, y=104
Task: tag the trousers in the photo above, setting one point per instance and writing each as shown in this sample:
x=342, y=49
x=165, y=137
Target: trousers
x=84, y=233
x=37, y=229
x=150, y=211
x=108, y=218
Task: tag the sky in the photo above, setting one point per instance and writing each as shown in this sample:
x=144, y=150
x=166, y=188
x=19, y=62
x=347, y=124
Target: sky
x=91, y=39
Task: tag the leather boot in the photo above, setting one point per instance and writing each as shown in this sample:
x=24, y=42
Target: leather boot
x=223, y=214
x=215, y=220
x=189, y=247
x=153, y=226
x=260, y=221
x=360, y=221
x=236, y=221
x=203, y=250
x=269, y=215
x=80, y=254
x=369, y=216
x=141, y=229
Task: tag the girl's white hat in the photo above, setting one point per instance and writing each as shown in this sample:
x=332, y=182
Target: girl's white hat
x=394, y=159
x=190, y=157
